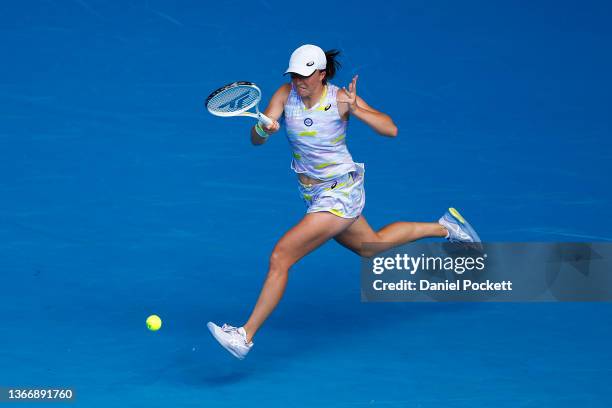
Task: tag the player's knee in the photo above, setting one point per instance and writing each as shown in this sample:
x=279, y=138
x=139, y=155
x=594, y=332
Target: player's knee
x=279, y=261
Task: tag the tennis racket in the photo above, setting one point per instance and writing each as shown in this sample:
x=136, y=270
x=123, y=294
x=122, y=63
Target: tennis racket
x=236, y=99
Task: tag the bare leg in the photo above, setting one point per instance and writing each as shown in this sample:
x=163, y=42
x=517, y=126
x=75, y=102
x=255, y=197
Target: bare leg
x=314, y=230
x=387, y=237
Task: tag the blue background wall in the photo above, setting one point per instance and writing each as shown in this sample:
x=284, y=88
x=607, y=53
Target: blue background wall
x=120, y=197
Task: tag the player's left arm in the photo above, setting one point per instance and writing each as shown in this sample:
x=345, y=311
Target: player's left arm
x=353, y=104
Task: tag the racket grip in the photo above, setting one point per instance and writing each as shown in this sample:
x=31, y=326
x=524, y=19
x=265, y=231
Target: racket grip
x=264, y=119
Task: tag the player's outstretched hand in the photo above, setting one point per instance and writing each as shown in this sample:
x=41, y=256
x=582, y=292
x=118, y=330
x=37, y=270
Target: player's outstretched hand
x=349, y=96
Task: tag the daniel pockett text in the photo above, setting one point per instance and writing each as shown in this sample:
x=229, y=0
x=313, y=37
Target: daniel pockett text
x=488, y=272
x=413, y=265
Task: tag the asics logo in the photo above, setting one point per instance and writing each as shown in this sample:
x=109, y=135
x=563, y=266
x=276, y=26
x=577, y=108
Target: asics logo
x=237, y=102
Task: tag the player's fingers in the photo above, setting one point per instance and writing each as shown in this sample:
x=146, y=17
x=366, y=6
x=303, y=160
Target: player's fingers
x=351, y=91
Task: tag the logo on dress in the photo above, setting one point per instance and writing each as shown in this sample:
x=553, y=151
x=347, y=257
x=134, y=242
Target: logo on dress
x=327, y=107
x=334, y=185
x=308, y=122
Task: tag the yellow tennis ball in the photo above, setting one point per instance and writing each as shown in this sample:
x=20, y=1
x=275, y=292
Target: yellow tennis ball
x=154, y=323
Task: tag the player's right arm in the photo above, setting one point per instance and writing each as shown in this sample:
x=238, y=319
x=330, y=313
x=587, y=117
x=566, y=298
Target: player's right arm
x=274, y=111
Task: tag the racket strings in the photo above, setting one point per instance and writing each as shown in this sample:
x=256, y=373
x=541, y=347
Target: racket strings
x=236, y=99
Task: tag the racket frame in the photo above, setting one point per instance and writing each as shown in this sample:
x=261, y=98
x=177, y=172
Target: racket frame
x=257, y=115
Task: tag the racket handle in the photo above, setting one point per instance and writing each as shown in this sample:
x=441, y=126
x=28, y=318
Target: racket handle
x=264, y=119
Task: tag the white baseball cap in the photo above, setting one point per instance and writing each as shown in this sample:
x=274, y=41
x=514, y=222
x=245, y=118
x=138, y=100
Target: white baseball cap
x=307, y=59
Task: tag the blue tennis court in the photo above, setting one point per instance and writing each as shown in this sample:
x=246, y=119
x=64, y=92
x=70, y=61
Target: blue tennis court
x=121, y=197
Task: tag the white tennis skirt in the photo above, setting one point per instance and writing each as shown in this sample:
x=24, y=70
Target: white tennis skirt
x=343, y=196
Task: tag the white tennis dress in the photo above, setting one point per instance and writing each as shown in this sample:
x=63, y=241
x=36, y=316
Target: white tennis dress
x=318, y=140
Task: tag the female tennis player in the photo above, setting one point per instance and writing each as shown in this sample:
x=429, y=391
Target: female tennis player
x=316, y=117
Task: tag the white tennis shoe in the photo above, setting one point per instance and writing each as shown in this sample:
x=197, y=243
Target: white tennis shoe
x=233, y=339
x=459, y=230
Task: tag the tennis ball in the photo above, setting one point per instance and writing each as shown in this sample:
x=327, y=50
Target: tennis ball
x=154, y=323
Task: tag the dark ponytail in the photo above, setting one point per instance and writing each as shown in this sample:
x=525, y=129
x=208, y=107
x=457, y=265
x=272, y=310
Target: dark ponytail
x=332, y=64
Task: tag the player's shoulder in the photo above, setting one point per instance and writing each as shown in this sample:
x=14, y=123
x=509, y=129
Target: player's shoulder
x=284, y=89
x=282, y=93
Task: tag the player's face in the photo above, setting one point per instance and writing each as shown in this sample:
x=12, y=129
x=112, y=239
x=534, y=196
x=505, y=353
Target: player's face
x=307, y=86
